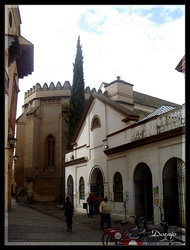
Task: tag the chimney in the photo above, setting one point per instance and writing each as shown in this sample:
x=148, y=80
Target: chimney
x=121, y=92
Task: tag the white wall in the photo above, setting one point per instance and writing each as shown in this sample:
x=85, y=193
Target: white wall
x=154, y=155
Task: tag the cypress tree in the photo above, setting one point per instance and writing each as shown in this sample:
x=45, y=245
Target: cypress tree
x=77, y=99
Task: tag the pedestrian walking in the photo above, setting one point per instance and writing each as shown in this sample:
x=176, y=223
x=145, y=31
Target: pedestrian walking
x=16, y=194
x=90, y=204
x=68, y=207
x=104, y=209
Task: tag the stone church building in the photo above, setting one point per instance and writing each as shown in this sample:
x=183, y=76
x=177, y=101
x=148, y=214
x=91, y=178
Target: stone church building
x=128, y=145
x=41, y=145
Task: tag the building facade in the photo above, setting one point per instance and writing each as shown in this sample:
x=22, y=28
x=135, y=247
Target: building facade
x=42, y=142
x=42, y=134
x=18, y=63
x=137, y=161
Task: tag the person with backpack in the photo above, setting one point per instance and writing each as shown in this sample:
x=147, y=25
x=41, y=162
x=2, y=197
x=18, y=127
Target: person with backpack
x=68, y=207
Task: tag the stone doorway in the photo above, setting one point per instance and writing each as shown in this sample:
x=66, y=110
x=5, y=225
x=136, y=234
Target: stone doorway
x=97, y=187
x=174, y=192
x=143, y=192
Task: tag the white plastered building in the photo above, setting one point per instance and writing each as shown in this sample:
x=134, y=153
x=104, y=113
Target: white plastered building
x=138, y=162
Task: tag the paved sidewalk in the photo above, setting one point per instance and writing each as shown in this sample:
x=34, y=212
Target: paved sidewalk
x=45, y=224
x=78, y=217
x=94, y=223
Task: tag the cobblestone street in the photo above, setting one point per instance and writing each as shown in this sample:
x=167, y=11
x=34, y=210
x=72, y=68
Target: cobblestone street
x=46, y=225
x=35, y=226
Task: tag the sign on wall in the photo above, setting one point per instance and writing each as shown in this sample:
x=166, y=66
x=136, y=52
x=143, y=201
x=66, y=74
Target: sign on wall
x=156, y=195
x=127, y=197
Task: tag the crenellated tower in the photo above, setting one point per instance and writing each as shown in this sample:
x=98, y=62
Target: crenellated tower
x=42, y=141
x=33, y=95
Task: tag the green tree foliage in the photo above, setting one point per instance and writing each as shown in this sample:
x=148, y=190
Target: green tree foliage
x=77, y=99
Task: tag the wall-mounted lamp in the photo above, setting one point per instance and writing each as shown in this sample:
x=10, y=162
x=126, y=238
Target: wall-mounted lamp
x=106, y=146
x=12, y=141
x=72, y=157
x=182, y=120
x=15, y=158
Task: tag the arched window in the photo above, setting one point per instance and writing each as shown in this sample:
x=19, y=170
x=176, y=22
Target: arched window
x=95, y=123
x=118, y=188
x=50, y=152
x=70, y=188
x=81, y=189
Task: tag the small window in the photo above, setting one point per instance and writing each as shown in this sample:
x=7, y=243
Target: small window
x=81, y=189
x=50, y=152
x=10, y=20
x=118, y=188
x=95, y=122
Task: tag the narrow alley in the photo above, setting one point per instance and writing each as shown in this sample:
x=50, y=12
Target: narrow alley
x=30, y=226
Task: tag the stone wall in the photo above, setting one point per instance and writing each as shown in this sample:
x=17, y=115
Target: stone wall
x=44, y=111
x=39, y=91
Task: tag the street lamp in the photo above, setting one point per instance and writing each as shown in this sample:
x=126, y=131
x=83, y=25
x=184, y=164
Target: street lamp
x=12, y=141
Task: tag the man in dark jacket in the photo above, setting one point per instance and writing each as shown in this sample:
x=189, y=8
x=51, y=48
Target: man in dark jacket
x=68, y=207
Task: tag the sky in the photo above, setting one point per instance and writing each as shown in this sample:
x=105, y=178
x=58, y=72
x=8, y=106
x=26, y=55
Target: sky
x=140, y=43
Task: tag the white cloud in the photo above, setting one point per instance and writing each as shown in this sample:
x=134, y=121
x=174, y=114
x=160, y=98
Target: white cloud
x=126, y=43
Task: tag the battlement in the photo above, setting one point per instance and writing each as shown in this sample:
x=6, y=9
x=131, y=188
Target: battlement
x=64, y=90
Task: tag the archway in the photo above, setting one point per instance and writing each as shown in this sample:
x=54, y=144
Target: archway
x=97, y=187
x=143, y=191
x=174, y=192
x=70, y=188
